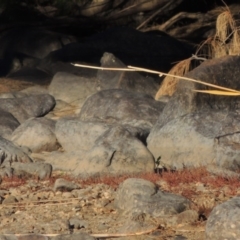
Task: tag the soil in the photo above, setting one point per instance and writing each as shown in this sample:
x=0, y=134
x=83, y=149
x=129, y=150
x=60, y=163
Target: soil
x=31, y=206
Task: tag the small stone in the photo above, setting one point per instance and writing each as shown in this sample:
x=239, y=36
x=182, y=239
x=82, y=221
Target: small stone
x=77, y=223
x=9, y=200
x=64, y=185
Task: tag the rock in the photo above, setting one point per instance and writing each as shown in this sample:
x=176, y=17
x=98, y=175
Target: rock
x=138, y=222
x=9, y=153
x=222, y=71
x=126, y=108
x=224, y=221
x=35, y=169
x=141, y=196
x=77, y=223
x=71, y=88
x=195, y=122
x=10, y=200
x=30, y=106
x=96, y=148
x=37, y=134
x=71, y=132
x=8, y=123
x=64, y=185
x=216, y=137
x=129, y=81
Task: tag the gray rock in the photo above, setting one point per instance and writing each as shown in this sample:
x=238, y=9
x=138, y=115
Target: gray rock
x=95, y=148
x=37, y=134
x=193, y=123
x=77, y=223
x=9, y=153
x=30, y=106
x=10, y=200
x=8, y=123
x=34, y=169
x=122, y=107
x=74, y=134
x=71, y=88
x=181, y=140
x=221, y=71
x=129, y=81
x=224, y=221
x=141, y=196
x=64, y=185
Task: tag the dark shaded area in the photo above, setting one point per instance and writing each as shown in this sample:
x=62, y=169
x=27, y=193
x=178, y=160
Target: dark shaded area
x=50, y=34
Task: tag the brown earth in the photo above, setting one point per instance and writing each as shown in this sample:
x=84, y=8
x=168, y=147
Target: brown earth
x=36, y=201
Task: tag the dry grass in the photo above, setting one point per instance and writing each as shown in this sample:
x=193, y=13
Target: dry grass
x=225, y=42
x=9, y=85
x=168, y=86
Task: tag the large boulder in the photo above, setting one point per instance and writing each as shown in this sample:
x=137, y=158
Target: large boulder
x=8, y=123
x=71, y=88
x=23, y=108
x=96, y=148
x=224, y=221
x=141, y=196
x=193, y=123
x=9, y=152
x=126, y=108
x=38, y=134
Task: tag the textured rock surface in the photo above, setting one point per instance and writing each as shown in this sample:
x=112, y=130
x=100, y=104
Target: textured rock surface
x=8, y=123
x=194, y=122
x=119, y=106
x=9, y=152
x=96, y=148
x=24, y=108
x=38, y=170
x=38, y=134
x=141, y=196
x=224, y=221
x=129, y=81
x=182, y=139
x=71, y=88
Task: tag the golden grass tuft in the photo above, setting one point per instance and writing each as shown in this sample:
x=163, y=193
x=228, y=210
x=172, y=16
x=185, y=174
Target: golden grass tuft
x=10, y=85
x=225, y=42
x=227, y=38
x=168, y=86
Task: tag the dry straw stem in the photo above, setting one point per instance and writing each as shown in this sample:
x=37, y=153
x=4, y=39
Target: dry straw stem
x=168, y=86
x=132, y=68
x=98, y=235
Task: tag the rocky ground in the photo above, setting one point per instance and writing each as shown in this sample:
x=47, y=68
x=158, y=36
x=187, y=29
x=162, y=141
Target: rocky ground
x=63, y=205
